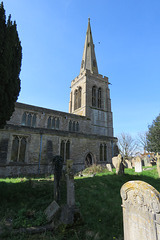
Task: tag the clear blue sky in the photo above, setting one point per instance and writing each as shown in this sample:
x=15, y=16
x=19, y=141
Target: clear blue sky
x=52, y=34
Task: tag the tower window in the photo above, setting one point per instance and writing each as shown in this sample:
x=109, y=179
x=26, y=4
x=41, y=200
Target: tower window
x=77, y=98
x=94, y=96
x=99, y=98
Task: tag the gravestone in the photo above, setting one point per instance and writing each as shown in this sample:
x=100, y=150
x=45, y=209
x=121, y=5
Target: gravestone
x=158, y=163
x=58, y=165
x=114, y=161
x=128, y=163
x=68, y=210
x=70, y=184
x=109, y=167
x=141, y=211
x=120, y=165
x=138, y=165
x=146, y=161
x=51, y=211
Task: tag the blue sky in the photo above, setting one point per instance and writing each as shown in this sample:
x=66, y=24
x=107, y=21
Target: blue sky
x=52, y=35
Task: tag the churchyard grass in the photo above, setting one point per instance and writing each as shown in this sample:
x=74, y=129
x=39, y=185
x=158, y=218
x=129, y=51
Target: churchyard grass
x=23, y=202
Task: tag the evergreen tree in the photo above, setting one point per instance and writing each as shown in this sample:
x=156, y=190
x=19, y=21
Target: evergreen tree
x=10, y=66
x=153, y=136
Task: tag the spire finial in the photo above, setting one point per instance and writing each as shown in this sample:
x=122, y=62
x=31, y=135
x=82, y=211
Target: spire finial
x=89, y=19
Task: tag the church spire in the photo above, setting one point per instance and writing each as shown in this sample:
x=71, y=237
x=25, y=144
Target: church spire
x=89, y=58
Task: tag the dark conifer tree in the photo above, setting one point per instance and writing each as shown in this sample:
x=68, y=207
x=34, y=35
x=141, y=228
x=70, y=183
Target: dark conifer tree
x=10, y=66
x=153, y=136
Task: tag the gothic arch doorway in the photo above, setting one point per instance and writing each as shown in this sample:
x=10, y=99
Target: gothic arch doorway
x=88, y=160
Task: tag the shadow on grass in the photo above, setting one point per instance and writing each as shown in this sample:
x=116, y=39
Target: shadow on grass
x=98, y=199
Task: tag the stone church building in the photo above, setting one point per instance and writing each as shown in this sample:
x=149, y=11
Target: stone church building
x=34, y=135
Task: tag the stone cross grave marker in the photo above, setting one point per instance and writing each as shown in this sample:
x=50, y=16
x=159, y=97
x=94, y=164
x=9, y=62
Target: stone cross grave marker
x=158, y=163
x=138, y=165
x=68, y=210
x=70, y=184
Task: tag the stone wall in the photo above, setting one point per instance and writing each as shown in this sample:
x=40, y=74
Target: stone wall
x=43, y=144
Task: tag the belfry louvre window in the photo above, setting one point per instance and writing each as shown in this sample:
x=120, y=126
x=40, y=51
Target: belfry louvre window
x=29, y=119
x=94, y=96
x=53, y=122
x=18, y=149
x=99, y=98
x=77, y=98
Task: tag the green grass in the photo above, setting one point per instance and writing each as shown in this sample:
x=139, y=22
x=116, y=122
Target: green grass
x=98, y=199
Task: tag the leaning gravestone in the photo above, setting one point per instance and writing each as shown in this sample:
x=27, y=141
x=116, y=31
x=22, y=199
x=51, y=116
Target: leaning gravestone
x=141, y=211
x=120, y=165
x=138, y=165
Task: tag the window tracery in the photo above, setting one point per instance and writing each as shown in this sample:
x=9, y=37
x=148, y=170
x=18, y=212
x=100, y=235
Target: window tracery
x=29, y=119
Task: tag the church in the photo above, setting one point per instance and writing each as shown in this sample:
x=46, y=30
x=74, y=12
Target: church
x=34, y=134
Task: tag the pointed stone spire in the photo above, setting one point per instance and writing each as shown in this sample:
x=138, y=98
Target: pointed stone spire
x=89, y=58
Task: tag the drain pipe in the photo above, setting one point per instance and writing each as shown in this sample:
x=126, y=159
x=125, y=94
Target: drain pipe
x=40, y=151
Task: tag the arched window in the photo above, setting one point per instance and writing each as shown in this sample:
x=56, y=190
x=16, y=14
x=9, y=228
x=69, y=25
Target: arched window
x=29, y=120
x=62, y=149
x=53, y=123
x=18, y=149
x=94, y=96
x=105, y=152
x=75, y=100
x=74, y=126
x=79, y=97
x=68, y=150
x=24, y=119
x=101, y=152
x=57, y=123
x=99, y=98
x=22, y=149
x=49, y=123
x=77, y=127
x=70, y=125
x=15, y=146
x=34, y=120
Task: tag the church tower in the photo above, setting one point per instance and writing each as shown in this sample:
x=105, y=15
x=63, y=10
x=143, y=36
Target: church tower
x=90, y=94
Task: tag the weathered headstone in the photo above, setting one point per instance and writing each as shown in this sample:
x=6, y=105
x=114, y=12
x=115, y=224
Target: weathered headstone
x=146, y=161
x=114, y=161
x=109, y=167
x=138, y=165
x=141, y=211
x=51, y=210
x=120, y=165
x=128, y=163
x=158, y=163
